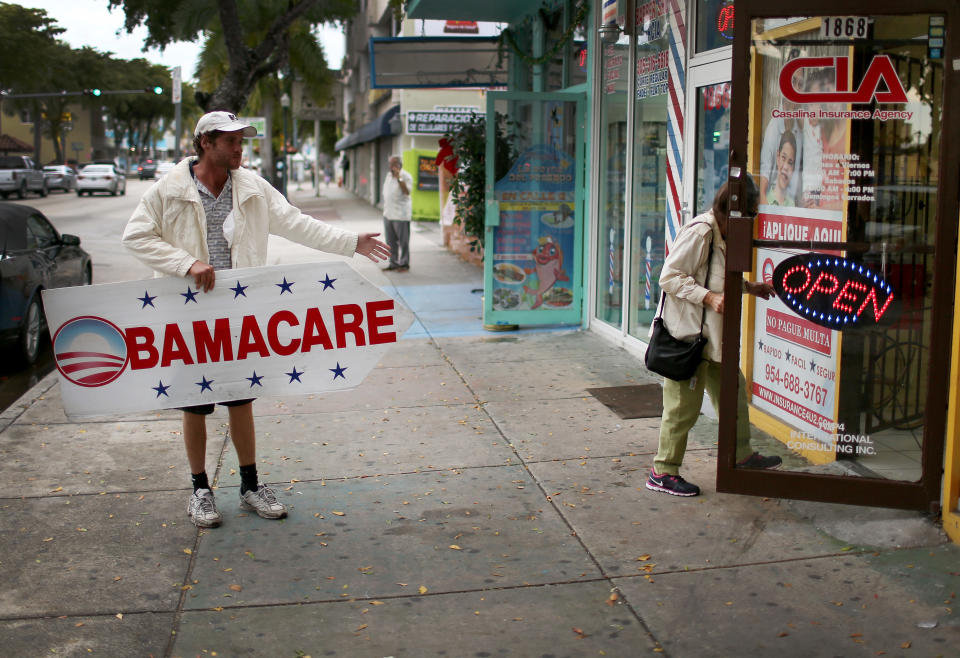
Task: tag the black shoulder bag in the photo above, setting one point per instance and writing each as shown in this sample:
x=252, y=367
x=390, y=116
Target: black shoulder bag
x=672, y=358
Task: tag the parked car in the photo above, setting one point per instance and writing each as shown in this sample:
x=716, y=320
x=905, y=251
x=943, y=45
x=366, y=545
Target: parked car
x=19, y=175
x=101, y=178
x=60, y=177
x=164, y=168
x=33, y=257
x=147, y=169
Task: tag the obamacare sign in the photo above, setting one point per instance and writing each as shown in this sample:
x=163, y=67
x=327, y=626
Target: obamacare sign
x=157, y=344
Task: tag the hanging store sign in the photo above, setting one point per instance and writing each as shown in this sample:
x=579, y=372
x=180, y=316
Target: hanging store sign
x=832, y=291
x=438, y=122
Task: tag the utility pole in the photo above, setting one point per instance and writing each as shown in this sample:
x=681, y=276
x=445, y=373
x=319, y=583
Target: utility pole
x=176, y=95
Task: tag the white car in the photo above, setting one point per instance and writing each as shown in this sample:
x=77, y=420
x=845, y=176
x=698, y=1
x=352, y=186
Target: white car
x=164, y=168
x=101, y=178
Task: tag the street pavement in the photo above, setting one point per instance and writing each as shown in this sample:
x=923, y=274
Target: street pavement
x=468, y=499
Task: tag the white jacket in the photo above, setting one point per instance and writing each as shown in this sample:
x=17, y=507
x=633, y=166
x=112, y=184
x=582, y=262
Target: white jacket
x=168, y=229
x=682, y=276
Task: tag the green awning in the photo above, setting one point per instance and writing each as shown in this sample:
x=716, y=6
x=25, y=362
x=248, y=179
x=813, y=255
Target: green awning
x=496, y=11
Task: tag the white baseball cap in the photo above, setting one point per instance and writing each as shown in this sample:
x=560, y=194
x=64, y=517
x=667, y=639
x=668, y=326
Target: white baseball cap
x=224, y=122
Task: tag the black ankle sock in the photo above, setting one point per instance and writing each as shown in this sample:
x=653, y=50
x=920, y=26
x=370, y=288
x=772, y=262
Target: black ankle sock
x=248, y=478
x=200, y=481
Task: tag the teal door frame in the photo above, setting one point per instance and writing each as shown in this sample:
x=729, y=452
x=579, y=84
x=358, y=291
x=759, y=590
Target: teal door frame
x=569, y=315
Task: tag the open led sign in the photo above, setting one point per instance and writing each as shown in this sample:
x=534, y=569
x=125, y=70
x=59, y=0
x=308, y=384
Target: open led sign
x=832, y=291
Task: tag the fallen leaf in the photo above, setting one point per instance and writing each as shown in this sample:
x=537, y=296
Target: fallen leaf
x=120, y=616
x=455, y=547
x=783, y=634
x=422, y=589
x=48, y=539
x=361, y=627
x=377, y=603
x=56, y=490
x=613, y=598
x=905, y=645
x=339, y=514
x=644, y=557
x=236, y=588
x=580, y=633
x=188, y=551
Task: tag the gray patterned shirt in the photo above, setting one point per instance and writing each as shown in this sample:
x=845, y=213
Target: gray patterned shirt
x=216, y=210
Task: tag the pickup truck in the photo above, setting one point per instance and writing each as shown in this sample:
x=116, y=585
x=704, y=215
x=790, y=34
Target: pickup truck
x=19, y=175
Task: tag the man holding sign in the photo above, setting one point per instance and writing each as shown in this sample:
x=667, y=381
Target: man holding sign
x=208, y=214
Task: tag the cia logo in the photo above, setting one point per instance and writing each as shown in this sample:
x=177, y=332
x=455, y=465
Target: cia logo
x=90, y=351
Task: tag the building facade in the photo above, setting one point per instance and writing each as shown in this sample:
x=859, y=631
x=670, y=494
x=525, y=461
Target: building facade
x=843, y=120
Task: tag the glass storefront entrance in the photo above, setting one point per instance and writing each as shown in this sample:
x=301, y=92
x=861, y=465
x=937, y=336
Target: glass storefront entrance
x=633, y=172
x=843, y=131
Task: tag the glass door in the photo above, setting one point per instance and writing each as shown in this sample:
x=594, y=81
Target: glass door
x=842, y=122
x=708, y=106
x=534, y=214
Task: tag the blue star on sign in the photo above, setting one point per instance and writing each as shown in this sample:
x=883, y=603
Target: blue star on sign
x=255, y=380
x=239, y=290
x=161, y=389
x=189, y=296
x=294, y=375
x=813, y=365
x=327, y=282
x=147, y=300
x=285, y=287
x=338, y=371
x=205, y=384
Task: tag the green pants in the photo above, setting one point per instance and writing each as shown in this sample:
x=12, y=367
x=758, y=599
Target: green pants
x=681, y=408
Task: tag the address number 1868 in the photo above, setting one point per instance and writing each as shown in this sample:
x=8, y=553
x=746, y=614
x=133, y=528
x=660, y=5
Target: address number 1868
x=844, y=27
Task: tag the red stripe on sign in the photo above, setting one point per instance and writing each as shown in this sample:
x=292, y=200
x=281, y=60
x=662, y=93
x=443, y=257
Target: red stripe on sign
x=94, y=355
x=87, y=365
x=96, y=378
x=801, y=332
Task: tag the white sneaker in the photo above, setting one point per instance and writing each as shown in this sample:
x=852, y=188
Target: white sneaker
x=264, y=502
x=202, y=509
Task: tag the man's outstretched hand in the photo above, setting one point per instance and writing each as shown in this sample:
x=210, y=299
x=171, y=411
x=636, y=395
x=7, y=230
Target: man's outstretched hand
x=369, y=246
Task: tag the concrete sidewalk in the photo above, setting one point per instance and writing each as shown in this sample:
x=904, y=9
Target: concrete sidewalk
x=468, y=499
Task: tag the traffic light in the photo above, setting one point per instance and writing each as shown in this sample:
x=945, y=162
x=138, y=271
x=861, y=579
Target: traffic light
x=92, y=92
x=158, y=90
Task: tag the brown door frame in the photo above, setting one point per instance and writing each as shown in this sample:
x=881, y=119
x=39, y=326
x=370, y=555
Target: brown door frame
x=922, y=495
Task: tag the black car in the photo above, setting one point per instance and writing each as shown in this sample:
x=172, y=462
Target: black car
x=147, y=169
x=33, y=257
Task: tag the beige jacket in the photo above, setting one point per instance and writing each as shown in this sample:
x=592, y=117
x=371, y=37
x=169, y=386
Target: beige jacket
x=682, y=278
x=168, y=230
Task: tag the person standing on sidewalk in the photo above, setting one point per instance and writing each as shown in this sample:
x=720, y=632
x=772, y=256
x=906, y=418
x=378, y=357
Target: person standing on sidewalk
x=683, y=315
x=397, y=212
x=208, y=214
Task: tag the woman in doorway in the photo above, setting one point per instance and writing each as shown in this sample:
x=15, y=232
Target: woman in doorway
x=690, y=288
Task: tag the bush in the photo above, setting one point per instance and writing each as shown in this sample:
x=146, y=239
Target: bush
x=469, y=143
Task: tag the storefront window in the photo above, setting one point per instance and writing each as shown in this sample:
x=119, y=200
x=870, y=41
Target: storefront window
x=648, y=186
x=614, y=72
x=714, y=24
x=712, y=143
x=847, y=128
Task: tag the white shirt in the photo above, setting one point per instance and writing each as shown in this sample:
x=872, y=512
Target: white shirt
x=396, y=204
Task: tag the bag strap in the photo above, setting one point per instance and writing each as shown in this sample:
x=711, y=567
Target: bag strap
x=706, y=280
